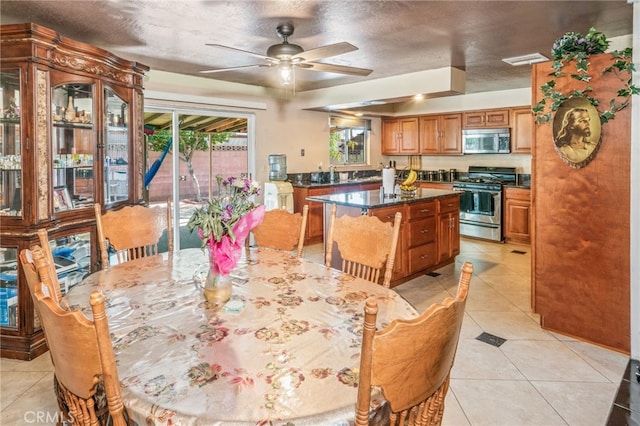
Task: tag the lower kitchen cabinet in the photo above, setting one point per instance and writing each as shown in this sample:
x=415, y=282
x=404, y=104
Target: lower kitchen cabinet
x=315, y=221
x=517, y=215
x=429, y=236
x=422, y=235
x=448, y=228
x=315, y=224
x=388, y=215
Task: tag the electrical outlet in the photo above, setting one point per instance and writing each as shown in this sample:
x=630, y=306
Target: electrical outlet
x=302, y=152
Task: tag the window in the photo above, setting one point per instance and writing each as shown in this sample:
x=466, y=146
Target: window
x=348, y=140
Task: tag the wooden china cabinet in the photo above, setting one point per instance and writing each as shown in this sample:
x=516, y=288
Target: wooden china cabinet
x=71, y=134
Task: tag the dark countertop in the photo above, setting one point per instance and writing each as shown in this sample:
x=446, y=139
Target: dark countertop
x=328, y=184
x=372, y=200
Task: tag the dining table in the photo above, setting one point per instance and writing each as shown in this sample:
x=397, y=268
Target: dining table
x=285, y=349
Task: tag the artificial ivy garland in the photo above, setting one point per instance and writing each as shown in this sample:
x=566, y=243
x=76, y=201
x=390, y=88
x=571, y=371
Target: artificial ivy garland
x=575, y=46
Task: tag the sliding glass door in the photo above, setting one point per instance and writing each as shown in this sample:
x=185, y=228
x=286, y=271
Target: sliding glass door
x=185, y=151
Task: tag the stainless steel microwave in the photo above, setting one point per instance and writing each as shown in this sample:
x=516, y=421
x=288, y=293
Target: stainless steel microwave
x=486, y=141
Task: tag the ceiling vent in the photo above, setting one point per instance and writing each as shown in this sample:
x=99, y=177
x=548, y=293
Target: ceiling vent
x=532, y=58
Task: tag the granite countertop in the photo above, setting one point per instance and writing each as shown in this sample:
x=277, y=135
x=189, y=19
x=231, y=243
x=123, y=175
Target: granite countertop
x=306, y=184
x=372, y=199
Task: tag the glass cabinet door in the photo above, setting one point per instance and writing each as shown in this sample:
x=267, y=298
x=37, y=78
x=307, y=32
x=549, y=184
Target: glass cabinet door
x=73, y=146
x=9, y=287
x=117, y=137
x=10, y=146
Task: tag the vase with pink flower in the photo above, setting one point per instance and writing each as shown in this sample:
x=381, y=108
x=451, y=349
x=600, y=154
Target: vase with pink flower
x=223, y=224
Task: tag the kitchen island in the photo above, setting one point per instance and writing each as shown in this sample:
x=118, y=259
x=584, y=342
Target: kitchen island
x=429, y=232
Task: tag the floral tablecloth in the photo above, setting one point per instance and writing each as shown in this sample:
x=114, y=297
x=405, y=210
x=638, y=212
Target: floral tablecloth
x=289, y=355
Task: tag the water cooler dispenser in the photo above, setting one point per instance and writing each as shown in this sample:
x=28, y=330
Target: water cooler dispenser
x=277, y=167
x=278, y=195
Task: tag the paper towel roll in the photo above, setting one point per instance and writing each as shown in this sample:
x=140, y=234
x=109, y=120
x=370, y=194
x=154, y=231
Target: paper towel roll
x=388, y=181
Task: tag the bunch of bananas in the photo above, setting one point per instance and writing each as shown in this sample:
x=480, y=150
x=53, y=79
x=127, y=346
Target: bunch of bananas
x=409, y=183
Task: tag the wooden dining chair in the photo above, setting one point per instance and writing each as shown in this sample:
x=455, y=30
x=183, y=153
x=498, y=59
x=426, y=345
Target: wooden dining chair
x=409, y=361
x=133, y=231
x=81, y=351
x=51, y=281
x=282, y=230
x=366, y=244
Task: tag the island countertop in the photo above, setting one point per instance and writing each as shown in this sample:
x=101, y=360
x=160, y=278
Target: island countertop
x=372, y=199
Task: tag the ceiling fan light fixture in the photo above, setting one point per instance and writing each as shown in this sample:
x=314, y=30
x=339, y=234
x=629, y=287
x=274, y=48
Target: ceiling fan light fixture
x=530, y=59
x=285, y=71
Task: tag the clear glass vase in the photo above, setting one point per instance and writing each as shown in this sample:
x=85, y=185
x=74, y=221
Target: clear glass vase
x=217, y=288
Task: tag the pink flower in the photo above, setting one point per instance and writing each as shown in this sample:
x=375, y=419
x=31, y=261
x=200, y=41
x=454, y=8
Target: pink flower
x=225, y=254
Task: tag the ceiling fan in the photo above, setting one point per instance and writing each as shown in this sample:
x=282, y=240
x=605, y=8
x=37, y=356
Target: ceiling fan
x=286, y=56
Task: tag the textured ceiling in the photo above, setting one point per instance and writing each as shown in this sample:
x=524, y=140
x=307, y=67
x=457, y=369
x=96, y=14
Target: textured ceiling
x=393, y=37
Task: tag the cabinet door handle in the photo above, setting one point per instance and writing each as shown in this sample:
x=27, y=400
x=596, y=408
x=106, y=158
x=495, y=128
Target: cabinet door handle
x=424, y=231
x=425, y=211
x=424, y=256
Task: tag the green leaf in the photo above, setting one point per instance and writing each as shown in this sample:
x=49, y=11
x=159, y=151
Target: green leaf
x=606, y=116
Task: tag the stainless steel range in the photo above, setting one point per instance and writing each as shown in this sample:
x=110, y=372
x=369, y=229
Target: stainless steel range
x=481, y=201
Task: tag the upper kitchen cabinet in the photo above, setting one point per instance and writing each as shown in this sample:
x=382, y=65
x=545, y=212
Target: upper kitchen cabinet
x=400, y=136
x=71, y=135
x=521, y=130
x=486, y=118
x=441, y=134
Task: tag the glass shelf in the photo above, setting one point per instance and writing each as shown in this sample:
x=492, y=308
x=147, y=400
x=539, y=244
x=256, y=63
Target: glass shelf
x=73, y=146
x=10, y=144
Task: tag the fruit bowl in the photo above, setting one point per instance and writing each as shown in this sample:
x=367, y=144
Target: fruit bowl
x=408, y=191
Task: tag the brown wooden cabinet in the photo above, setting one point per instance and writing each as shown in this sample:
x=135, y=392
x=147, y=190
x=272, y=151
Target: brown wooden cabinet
x=315, y=222
x=441, y=134
x=486, y=118
x=422, y=235
x=521, y=130
x=517, y=215
x=388, y=214
x=400, y=136
x=436, y=185
x=72, y=137
x=448, y=228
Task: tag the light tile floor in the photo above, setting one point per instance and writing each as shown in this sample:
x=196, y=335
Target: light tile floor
x=534, y=378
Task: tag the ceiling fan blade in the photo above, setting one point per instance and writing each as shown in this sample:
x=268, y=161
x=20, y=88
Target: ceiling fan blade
x=234, y=68
x=325, y=51
x=340, y=69
x=257, y=55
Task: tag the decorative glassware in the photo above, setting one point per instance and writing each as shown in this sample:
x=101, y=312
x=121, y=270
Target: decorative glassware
x=217, y=288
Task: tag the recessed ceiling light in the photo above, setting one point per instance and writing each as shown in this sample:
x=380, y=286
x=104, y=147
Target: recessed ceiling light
x=419, y=97
x=532, y=58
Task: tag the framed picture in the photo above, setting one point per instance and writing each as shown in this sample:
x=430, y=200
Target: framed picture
x=61, y=199
x=576, y=132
